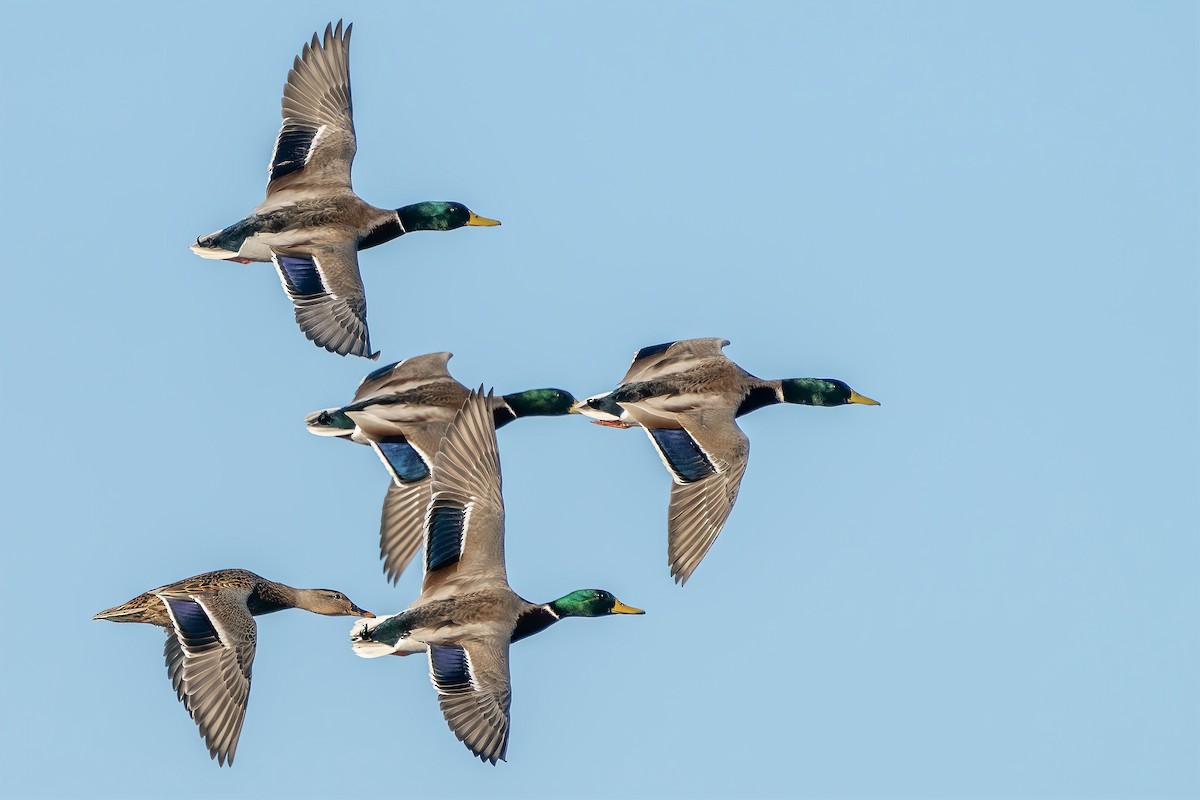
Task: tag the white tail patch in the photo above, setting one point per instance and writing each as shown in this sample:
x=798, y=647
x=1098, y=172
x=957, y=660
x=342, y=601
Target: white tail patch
x=372, y=649
x=365, y=648
x=212, y=252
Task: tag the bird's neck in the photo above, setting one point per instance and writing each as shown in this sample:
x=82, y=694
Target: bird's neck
x=535, y=619
x=390, y=227
x=767, y=393
x=530, y=403
x=268, y=597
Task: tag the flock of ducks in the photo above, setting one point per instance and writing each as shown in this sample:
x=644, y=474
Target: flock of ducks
x=437, y=441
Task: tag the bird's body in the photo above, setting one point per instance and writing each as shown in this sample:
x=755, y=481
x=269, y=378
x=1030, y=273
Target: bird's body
x=402, y=412
x=312, y=224
x=211, y=640
x=467, y=615
x=687, y=396
x=332, y=220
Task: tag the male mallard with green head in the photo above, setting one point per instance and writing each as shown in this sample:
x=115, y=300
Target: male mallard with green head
x=467, y=615
x=211, y=637
x=687, y=395
x=311, y=223
x=402, y=411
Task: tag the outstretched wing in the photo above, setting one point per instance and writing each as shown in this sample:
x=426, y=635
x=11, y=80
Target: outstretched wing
x=464, y=528
x=401, y=528
x=209, y=663
x=657, y=360
x=326, y=289
x=472, y=681
x=316, y=145
x=706, y=458
x=404, y=375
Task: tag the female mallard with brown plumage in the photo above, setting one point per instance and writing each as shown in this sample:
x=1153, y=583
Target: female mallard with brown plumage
x=211, y=636
x=687, y=396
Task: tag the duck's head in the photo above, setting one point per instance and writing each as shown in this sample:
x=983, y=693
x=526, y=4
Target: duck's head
x=329, y=602
x=541, y=403
x=591, y=603
x=437, y=215
x=822, y=392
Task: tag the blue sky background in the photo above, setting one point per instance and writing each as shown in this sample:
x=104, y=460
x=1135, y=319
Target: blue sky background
x=985, y=216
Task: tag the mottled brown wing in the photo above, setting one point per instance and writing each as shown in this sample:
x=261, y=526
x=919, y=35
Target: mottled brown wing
x=210, y=664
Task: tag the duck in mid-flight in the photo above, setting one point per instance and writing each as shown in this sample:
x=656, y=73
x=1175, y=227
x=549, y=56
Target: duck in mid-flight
x=312, y=224
x=211, y=639
x=687, y=395
x=402, y=411
x=467, y=615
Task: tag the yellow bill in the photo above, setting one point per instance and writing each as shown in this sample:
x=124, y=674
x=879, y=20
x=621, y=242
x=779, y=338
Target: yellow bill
x=862, y=400
x=483, y=222
x=621, y=608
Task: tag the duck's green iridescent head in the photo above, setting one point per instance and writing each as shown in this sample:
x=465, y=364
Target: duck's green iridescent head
x=822, y=392
x=541, y=403
x=591, y=603
x=435, y=215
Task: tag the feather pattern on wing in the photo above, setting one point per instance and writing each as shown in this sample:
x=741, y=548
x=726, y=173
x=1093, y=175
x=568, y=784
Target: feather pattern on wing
x=473, y=685
x=212, y=663
x=400, y=527
x=316, y=144
x=467, y=502
x=326, y=289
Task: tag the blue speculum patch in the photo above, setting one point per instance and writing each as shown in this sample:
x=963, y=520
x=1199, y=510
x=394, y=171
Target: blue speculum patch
x=301, y=274
x=652, y=350
x=449, y=664
x=686, y=458
x=291, y=151
x=445, y=536
x=407, y=463
x=192, y=622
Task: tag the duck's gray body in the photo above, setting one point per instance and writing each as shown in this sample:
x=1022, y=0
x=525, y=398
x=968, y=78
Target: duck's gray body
x=325, y=221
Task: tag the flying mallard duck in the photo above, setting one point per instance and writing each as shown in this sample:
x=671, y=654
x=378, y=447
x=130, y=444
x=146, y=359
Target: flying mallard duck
x=467, y=615
x=311, y=223
x=686, y=395
x=209, y=620
x=402, y=411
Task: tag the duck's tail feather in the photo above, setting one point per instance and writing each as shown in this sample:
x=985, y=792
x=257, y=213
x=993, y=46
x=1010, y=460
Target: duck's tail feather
x=361, y=642
x=215, y=253
x=136, y=610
